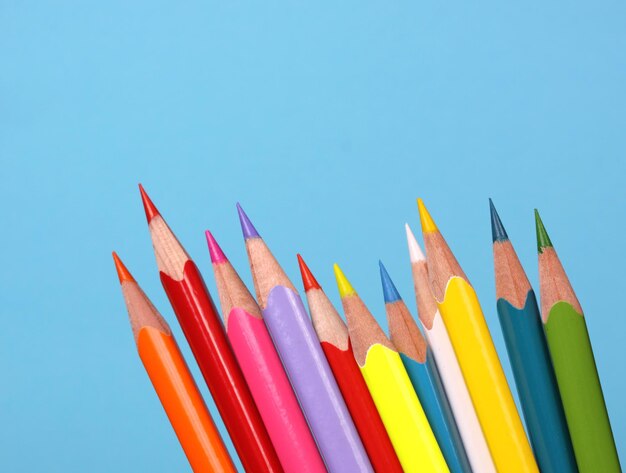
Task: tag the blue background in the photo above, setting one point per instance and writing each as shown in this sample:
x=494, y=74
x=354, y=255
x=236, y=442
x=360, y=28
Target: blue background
x=326, y=122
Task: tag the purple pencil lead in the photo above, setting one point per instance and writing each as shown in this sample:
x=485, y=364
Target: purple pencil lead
x=246, y=225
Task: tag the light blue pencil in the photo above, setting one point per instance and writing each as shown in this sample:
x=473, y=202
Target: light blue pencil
x=422, y=370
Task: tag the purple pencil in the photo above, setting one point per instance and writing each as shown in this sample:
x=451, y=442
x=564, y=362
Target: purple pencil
x=303, y=359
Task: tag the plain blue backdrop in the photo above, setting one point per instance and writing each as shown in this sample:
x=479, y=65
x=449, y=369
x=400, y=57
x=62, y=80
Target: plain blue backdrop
x=326, y=122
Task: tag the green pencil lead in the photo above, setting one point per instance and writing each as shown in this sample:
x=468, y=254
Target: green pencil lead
x=543, y=240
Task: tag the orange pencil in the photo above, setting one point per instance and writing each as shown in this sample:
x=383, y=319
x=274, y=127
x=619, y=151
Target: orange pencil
x=172, y=381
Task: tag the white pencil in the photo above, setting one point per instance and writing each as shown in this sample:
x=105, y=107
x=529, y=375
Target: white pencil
x=449, y=369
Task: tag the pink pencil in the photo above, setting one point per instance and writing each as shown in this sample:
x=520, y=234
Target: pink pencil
x=263, y=370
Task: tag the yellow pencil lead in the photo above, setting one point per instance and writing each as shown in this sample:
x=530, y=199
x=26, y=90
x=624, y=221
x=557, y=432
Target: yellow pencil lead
x=428, y=225
x=344, y=286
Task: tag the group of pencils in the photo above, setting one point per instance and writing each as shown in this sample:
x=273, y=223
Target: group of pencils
x=302, y=393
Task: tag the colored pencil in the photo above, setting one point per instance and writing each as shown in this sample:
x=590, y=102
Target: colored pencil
x=390, y=386
x=303, y=359
x=263, y=370
x=333, y=335
x=203, y=329
x=451, y=376
x=476, y=353
x=172, y=380
x=422, y=370
x=529, y=356
x=574, y=364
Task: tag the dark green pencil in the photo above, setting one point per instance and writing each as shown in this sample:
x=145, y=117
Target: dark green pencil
x=529, y=356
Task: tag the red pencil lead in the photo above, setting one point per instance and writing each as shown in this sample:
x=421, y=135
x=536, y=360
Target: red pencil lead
x=122, y=272
x=148, y=206
x=308, y=280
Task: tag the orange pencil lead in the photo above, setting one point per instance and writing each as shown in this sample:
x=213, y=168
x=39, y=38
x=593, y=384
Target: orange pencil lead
x=122, y=272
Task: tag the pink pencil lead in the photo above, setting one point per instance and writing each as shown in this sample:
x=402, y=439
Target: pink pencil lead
x=216, y=253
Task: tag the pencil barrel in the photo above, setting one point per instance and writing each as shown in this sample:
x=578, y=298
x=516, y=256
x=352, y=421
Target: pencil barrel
x=581, y=392
x=313, y=382
x=459, y=397
x=401, y=412
x=204, y=331
x=362, y=409
x=182, y=402
x=485, y=379
x=273, y=394
x=536, y=385
x=429, y=389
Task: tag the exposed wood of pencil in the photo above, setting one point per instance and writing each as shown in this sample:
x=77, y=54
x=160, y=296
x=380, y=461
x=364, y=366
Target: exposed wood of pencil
x=511, y=281
x=405, y=334
x=326, y=321
x=233, y=292
x=141, y=311
x=266, y=271
x=426, y=303
x=442, y=265
x=554, y=283
x=363, y=328
x=170, y=254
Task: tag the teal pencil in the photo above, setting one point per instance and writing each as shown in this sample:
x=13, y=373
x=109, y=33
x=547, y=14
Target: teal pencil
x=530, y=359
x=422, y=370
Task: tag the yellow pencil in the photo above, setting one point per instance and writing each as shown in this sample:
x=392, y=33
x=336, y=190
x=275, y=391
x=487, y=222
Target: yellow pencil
x=390, y=387
x=477, y=355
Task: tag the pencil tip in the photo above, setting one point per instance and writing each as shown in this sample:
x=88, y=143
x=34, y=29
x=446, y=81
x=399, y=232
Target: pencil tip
x=216, y=253
x=122, y=273
x=308, y=280
x=415, y=252
x=246, y=225
x=390, y=293
x=344, y=286
x=148, y=206
x=428, y=225
x=543, y=240
x=498, y=233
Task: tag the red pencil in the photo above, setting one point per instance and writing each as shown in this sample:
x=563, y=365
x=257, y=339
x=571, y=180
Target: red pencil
x=203, y=329
x=333, y=335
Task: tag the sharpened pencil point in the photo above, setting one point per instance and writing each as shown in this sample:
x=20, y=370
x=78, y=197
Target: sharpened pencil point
x=415, y=252
x=246, y=225
x=344, y=286
x=148, y=206
x=498, y=233
x=390, y=293
x=428, y=225
x=308, y=280
x=216, y=253
x=543, y=240
x=122, y=273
